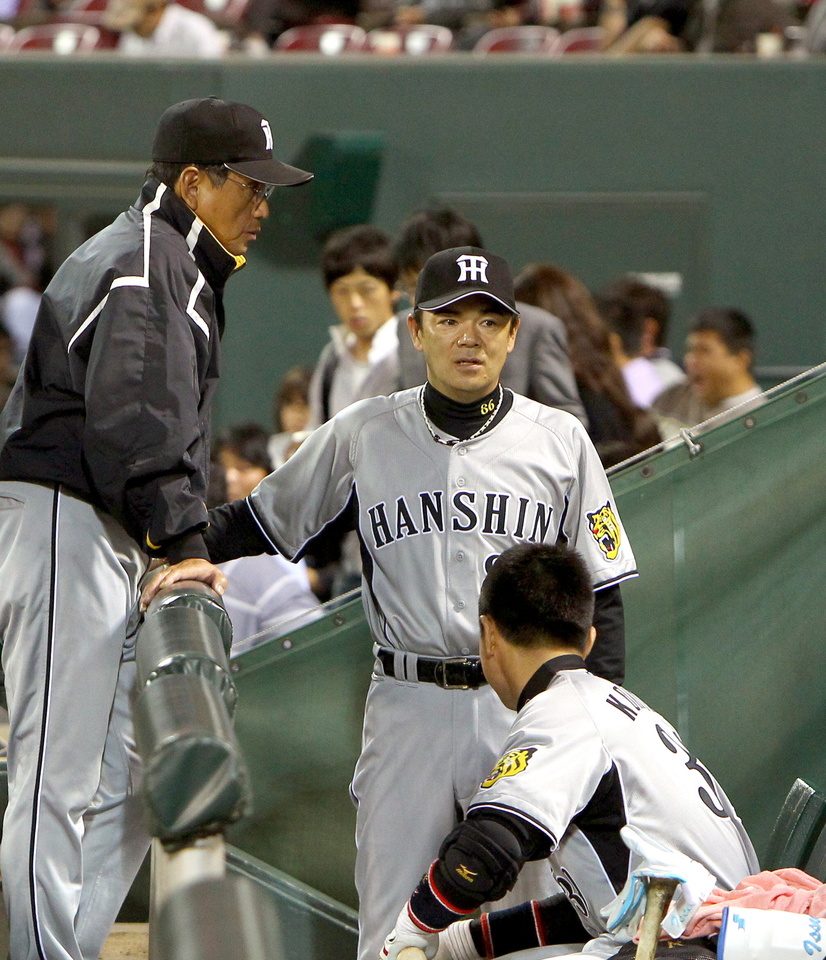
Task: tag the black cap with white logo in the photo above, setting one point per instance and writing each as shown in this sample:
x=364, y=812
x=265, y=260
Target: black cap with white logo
x=212, y=131
x=457, y=273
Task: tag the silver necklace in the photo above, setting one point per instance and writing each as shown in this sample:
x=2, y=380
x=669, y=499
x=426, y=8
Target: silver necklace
x=453, y=441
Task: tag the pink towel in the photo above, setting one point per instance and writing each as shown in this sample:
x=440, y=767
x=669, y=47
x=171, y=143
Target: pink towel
x=789, y=889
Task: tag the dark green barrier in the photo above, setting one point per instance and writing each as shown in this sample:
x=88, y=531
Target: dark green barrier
x=726, y=624
x=313, y=927
x=298, y=721
x=726, y=630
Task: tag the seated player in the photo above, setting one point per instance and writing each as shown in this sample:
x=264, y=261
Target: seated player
x=582, y=759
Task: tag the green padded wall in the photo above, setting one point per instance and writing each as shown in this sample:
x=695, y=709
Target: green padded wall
x=725, y=627
x=711, y=169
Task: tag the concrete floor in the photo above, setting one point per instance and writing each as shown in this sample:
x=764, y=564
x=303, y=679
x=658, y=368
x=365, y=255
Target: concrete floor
x=128, y=941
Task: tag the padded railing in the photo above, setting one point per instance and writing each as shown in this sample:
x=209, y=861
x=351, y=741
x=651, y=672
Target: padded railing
x=195, y=785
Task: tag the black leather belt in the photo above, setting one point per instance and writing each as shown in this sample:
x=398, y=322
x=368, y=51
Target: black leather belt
x=452, y=673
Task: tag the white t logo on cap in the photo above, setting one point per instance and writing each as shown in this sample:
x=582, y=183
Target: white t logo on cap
x=267, y=133
x=472, y=268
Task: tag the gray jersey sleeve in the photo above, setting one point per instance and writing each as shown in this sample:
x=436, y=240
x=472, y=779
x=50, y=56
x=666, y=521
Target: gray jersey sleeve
x=592, y=524
x=312, y=488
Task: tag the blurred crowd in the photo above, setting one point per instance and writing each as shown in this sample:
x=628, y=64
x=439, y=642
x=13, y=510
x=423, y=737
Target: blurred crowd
x=601, y=355
x=212, y=28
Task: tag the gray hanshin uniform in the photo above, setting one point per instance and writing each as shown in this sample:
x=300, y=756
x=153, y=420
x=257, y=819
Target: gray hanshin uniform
x=430, y=518
x=585, y=757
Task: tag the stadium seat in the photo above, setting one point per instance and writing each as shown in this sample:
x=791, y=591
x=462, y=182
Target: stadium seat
x=6, y=33
x=416, y=40
x=580, y=40
x=328, y=38
x=63, y=38
x=522, y=39
x=799, y=835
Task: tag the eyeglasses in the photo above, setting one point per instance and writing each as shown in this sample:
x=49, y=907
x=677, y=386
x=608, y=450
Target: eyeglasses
x=259, y=191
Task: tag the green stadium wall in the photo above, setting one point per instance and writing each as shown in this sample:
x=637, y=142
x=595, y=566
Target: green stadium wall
x=711, y=170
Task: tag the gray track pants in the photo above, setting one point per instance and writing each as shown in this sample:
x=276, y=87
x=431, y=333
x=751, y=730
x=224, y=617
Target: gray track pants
x=73, y=838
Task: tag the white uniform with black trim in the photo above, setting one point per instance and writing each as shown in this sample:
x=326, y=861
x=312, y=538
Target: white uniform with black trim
x=583, y=758
x=431, y=517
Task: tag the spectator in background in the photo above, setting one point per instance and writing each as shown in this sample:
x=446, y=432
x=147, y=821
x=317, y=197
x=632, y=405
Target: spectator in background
x=739, y=24
x=655, y=309
x=360, y=361
x=361, y=358
x=719, y=360
x=538, y=367
x=265, y=20
x=617, y=427
x=265, y=596
x=625, y=335
x=290, y=413
x=649, y=26
x=161, y=28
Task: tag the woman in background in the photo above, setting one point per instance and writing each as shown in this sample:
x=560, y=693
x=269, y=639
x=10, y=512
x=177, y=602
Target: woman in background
x=617, y=428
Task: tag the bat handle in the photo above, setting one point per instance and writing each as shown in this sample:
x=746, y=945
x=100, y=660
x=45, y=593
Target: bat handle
x=659, y=892
x=412, y=953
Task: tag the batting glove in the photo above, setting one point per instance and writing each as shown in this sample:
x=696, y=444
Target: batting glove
x=407, y=934
x=623, y=914
x=456, y=943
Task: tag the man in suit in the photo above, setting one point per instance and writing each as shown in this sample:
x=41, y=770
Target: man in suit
x=538, y=366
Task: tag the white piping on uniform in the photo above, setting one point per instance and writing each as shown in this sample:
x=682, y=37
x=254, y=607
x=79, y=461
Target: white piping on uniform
x=191, y=240
x=143, y=281
x=192, y=313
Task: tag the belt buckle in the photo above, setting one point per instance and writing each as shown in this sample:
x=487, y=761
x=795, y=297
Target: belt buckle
x=442, y=673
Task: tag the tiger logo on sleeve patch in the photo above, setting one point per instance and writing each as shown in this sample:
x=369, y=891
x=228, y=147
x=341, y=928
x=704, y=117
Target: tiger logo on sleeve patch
x=605, y=529
x=510, y=765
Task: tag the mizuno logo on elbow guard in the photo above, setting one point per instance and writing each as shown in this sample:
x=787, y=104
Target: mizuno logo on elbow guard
x=466, y=874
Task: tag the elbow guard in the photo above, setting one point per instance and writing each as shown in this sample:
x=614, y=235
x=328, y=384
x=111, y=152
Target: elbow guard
x=479, y=861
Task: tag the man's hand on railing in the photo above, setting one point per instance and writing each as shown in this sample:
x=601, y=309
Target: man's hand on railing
x=194, y=569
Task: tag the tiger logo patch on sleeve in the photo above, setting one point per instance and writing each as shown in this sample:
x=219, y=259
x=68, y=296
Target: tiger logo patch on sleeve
x=605, y=529
x=510, y=765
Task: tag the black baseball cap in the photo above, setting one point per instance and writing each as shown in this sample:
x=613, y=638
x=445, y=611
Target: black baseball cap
x=459, y=272
x=211, y=131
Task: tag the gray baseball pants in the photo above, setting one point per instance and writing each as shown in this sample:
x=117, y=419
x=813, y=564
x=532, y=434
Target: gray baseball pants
x=73, y=837
x=424, y=753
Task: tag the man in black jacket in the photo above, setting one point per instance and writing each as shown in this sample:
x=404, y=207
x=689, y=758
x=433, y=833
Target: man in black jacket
x=104, y=465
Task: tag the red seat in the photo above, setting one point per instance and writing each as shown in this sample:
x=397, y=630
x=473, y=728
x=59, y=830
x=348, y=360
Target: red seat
x=522, y=39
x=329, y=38
x=580, y=40
x=61, y=38
x=415, y=39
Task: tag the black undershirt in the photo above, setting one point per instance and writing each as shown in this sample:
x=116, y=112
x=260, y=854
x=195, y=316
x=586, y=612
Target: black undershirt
x=462, y=420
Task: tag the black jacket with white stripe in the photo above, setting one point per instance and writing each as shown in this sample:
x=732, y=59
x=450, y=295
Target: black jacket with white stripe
x=113, y=400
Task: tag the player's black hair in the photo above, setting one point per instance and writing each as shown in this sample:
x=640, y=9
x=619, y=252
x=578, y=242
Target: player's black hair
x=168, y=173
x=362, y=246
x=538, y=594
x=733, y=327
x=646, y=301
x=248, y=441
x=432, y=231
